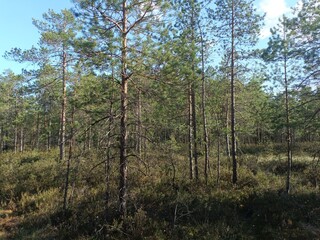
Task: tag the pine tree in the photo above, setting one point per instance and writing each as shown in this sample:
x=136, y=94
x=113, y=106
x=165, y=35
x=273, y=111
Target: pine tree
x=282, y=52
x=188, y=26
x=237, y=27
x=113, y=26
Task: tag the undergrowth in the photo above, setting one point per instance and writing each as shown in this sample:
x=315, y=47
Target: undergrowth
x=163, y=203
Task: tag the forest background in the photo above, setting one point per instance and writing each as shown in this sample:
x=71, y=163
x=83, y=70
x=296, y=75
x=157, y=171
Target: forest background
x=163, y=120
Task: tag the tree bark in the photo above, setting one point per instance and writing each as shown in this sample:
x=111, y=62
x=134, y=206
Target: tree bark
x=227, y=137
x=123, y=119
x=232, y=85
x=108, y=162
x=63, y=108
x=193, y=100
x=288, y=129
x=218, y=161
x=15, y=139
x=194, y=126
x=190, y=133
x=49, y=134
x=204, y=118
x=1, y=139
x=37, y=143
x=21, y=139
x=67, y=178
x=139, y=125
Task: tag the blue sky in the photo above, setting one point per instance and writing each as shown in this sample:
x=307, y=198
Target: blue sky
x=17, y=30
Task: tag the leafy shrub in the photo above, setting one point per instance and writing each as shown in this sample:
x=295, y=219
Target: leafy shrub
x=43, y=202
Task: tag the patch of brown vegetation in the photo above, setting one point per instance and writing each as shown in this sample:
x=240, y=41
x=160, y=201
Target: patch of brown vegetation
x=8, y=223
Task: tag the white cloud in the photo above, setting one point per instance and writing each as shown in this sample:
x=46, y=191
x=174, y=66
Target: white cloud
x=274, y=9
x=299, y=5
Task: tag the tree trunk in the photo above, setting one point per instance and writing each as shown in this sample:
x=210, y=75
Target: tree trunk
x=193, y=100
x=89, y=138
x=204, y=118
x=218, y=161
x=233, y=122
x=288, y=130
x=37, y=143
x=21, y=139
x=139, y=125
x=190, y=134
x=15, y=139
x=67, y=176
x=1, y=139
x=123, y=120
x=49, y=134
x=227, y=137
x=71, y=143
x=63, y=108
x=194, y=126
x=108, y=163
x=63, y=129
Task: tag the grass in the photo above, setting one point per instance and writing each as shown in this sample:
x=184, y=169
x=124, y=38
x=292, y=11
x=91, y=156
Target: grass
x=162, y=202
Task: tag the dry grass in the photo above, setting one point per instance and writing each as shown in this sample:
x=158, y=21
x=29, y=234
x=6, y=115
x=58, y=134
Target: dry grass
x=7, y=223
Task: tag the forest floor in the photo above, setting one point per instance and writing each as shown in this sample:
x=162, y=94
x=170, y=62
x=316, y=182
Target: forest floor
x=163, y=203
x=8, y=223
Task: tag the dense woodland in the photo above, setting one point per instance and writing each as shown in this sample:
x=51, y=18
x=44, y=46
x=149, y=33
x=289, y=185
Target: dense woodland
x=163, y=120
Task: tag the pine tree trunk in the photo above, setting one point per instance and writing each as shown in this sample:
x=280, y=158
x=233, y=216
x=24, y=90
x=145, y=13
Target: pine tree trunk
x=15, y=139
x=49, y=134
x=288, y=130
x=139, y=126
x=108, y=163
x=63, y=129
x=89, y=138
x=123, y=119
x=233, y=123
x=193, y=99
x=227, y=137
x=67, y=177
x=204, y=118
x=1, y=139
x=218, y=161
x=190, y=134
x=63, y=108
x=194, y=129
x=21, y=139
x=38, y=132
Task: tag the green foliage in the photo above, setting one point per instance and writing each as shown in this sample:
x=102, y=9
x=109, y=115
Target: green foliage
x=27, y=173
x=160, y=208
x=162, y=62
x=40, y=203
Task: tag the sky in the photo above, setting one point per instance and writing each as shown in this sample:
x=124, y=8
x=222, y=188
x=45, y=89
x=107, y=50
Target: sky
x=274, y=9
x=17, y=30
